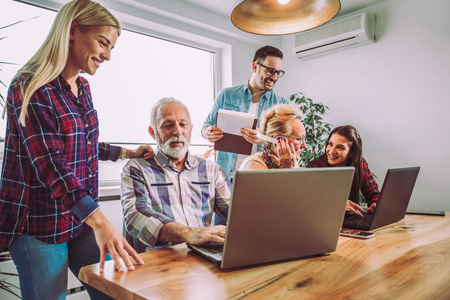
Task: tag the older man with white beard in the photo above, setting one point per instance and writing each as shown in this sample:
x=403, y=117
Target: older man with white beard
x=171, y=198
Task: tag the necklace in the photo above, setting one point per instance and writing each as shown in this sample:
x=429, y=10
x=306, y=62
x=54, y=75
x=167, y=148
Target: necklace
x=265, y=155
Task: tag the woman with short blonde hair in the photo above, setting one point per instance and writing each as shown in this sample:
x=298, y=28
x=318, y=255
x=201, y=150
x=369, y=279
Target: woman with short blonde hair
x=283, y=123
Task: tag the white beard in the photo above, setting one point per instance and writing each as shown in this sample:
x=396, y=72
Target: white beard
x=176, y=152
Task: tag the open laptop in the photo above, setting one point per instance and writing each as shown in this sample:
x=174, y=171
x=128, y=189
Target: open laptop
x=392, y=204
x=282, y=214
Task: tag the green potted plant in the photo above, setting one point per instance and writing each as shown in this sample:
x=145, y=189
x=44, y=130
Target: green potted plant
x=317, y=130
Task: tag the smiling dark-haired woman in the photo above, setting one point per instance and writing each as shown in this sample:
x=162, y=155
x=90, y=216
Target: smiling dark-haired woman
x=344, y=148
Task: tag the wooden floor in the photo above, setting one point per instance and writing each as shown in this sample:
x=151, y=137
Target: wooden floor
x=405, y=260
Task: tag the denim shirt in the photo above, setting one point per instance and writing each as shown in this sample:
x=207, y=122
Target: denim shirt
x=238, y=98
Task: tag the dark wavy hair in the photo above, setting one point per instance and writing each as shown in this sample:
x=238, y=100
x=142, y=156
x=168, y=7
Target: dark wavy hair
x=355, y=160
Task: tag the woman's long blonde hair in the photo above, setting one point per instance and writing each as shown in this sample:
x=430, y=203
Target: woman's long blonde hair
x=277, y=119
x=51, y=59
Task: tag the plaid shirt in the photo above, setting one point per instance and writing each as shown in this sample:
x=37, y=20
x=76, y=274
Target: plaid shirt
x=369, y=187
x=154, y=193
x=50, y=169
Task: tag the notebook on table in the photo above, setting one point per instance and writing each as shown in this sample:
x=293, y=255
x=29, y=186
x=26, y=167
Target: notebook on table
x=392, y=204
x=282, y=214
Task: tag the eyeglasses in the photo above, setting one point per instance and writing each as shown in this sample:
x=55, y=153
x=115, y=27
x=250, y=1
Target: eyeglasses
x=271, y=71
x=298, y=139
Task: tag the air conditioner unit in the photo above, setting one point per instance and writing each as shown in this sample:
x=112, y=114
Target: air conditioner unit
x=350, y=32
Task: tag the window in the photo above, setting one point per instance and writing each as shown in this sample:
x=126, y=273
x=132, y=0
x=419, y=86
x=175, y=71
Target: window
x=142, y=70
x=20, y=41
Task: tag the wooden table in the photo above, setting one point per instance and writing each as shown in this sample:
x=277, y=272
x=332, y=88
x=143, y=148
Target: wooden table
x=409, y=259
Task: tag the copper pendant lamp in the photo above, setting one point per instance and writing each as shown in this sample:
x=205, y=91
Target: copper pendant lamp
x=271, y=17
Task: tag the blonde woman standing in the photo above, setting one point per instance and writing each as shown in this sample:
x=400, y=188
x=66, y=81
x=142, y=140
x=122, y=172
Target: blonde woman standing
x=283, y=123
x=50, y=218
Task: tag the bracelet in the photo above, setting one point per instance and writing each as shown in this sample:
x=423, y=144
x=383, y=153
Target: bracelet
x=123, y=154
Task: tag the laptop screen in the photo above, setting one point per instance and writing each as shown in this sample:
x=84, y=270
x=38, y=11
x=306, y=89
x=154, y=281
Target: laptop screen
x=284, y=214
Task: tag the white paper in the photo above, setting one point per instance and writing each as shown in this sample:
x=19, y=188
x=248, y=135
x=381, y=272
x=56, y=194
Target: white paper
x=232, y=121
x=266, y=138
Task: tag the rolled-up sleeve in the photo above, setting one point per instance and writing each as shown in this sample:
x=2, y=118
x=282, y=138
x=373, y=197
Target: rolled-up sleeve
x=84, y=208
x=369, y=186
x=109, y=152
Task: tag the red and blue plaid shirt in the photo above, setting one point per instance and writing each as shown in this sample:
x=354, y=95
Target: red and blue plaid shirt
x=369, y=187
x=49, y=183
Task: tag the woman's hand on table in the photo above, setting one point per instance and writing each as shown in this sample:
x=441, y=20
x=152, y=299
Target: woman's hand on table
x=109, y=240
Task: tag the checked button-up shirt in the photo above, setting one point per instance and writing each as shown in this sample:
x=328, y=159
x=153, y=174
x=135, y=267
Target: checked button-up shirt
x=154, y=193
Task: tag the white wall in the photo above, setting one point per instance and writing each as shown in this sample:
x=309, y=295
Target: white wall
x=396, y=92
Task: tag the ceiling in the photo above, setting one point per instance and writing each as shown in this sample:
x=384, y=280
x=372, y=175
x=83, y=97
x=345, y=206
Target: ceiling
x=225, y=7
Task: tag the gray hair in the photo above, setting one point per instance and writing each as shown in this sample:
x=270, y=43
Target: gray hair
x=154, y=118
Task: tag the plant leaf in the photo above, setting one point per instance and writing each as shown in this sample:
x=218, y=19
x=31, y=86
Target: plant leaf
x=317, y=130
x=8, y=63
x=12, y=24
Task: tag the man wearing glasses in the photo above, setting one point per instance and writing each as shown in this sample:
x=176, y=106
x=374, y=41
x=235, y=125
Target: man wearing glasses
x=254, y=97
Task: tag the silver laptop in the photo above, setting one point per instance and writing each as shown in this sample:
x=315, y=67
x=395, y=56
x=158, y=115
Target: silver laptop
x=282, y=214
x=392, y=204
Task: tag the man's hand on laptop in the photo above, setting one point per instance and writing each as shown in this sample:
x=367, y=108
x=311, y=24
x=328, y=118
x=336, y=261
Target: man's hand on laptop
x=199, y=236
x=178, y=233
x=353, y=207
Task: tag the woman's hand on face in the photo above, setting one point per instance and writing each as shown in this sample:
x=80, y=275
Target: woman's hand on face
x=353, y=207
x=286, y=154
x=144, y=151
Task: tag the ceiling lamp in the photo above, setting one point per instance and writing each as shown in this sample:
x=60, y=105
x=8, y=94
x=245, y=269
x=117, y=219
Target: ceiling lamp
x=274, y=17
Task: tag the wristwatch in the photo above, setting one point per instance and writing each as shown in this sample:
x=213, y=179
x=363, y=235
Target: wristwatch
x=123, y=154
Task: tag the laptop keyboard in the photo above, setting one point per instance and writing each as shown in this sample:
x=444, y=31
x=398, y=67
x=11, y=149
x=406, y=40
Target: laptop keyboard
x=352, y=220
x=214, y=248
x=212, y=251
